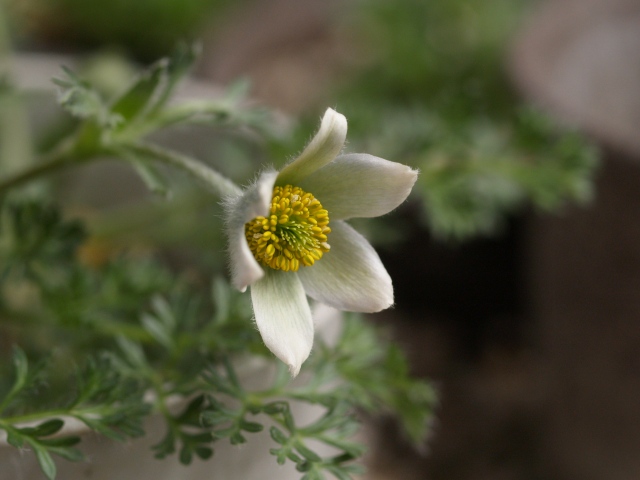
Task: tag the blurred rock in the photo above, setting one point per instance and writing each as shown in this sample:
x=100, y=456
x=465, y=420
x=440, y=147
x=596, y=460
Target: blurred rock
x=287, y=48
x=579, y=59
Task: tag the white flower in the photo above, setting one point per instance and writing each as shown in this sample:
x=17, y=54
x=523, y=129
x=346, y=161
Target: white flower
x=281, y=243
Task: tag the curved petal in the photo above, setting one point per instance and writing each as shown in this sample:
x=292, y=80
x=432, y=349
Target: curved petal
x=253, y=202
x=350, y=276
x=322, y=149
x=283, y=317
x=360, y=185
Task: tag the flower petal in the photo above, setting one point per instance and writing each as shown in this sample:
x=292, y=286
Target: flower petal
x=322, y=149
x=350, y=276
x=283, y=317
x=240, y=209
x=360, y=185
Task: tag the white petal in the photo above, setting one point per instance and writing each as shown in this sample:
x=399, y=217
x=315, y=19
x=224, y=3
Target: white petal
x=283, y=317
x=350, y=276
x=253, y=202
x=360, y=185
x=322, y=149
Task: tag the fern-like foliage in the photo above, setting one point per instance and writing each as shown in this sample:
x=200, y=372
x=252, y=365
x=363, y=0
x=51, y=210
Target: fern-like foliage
x=137, y=338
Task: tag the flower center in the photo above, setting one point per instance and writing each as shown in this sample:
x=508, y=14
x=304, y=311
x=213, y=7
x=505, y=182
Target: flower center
x=293, y=235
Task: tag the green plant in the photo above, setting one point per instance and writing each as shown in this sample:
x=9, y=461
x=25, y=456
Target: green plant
x=136, y=334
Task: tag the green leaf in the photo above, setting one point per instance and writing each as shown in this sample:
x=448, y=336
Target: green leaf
x=130, y=423
x=163, y=311
x=196, y=438
x=32, y=234
x=211, y=419
x=289, y=421
x=133, y=352
x=185, y=455
x=45, y=461
x=157, y=330
x=179, y=63
x=152, y=178
x=83, y=102
x=277, y=435
x=252, y=427
x=166, y=446
x=140, y=94
x=21, y=367
x=339, y=473
x=15, y=438
x=294, y=457
x=44, y=429
x=237, y=439
x=60, y=441
x=232, y=378
x=70, y=454
x=192, y=413
x=313, y=475
x=274, y=408
x=98, y=426
x=354, y=449
x=203, y=453
x=307, y=453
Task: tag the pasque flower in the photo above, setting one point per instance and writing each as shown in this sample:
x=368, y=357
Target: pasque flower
x=288, y=238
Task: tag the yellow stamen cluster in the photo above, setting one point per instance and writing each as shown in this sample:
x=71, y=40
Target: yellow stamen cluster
x=293, y=235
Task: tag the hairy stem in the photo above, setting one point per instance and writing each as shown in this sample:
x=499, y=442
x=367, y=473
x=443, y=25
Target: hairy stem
x=212, y=180
x=65, y=156
x=56, y=160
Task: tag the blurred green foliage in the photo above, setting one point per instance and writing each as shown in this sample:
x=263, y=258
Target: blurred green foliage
x=447, y=55
x=144, y=29
x=433, y=93
x=131, y=327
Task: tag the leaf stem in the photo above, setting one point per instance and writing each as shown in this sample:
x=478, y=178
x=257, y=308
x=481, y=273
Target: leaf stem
x=78, y=413
x=214, y=181
x=56, y=160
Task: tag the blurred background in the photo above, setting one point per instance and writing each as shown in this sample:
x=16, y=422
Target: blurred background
x=516, y=260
